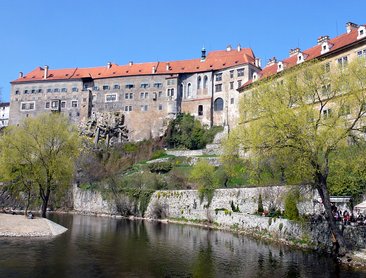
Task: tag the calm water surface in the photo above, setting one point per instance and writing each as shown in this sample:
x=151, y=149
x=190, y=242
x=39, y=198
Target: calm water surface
x=104, y=247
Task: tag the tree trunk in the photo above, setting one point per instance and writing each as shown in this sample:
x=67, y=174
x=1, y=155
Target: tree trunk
x=45, y=197
x=337, y=235
x=28, y=203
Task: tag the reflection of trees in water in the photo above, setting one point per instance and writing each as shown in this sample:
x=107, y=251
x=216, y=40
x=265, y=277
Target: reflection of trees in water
x=204, y=264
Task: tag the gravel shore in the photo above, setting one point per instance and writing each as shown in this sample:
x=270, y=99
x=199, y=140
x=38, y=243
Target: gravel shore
x=18, y=225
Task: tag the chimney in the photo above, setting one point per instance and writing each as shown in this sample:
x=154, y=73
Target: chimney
x=294, y=51
x=257, y=62
x=203, y=54
x=45, y=72
x=228, y=48
x=130, y=63
x=322, y=39
x=153, y=69
x=239, y=47
x=167, y=66
x=109, y=65
x=20, y=74
x=350, y=26
x=272, y=61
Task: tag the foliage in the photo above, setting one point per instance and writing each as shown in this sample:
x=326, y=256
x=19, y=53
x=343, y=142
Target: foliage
x=301, y=119
x=160, y=167
x=158, y=154
x=204, y=175
x=260, y=204
x=347, y=175
x=291, y=200
x=40, y=154
x=233, y=207
x=187, y=132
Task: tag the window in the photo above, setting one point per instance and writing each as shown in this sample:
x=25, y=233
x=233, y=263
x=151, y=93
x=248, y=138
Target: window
x=326, y=90
x=239, y=83
x=55, y=104
x=56, y=90
x=200, y=110
x=160, y=94
x=240, y=72
x=158, y=85
x=27, y=105
x=189, y=90
x=47, y=106
x=205, y=79
x=170, y=81
x=231, y=85
x=361, y=53
x=105, y=87
x=131, y=95
x=128, y=95
x=218, y=87
x=116, y=86
x=218, y=104
x=327, y=67
x=39, y=91
x=110, y=97
x=170, y=92
x=342, y=62
x=199, y=82
x=74, y=89
x=232, y=100
x=96, y=88
x=64, y=90
x=231, y=74
x=128, y=108
x=63, y=104
x=144, y=107
x=218, y=77
x=155, y=96
x=142, y=85
x=17, y=92
x=160, y=107
x=74, y=103
x=327, y=113
x=142, y=95
x=25, y=91
x=33, y=91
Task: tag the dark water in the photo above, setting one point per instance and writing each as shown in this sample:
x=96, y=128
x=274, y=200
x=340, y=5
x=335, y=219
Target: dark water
x=104, y=247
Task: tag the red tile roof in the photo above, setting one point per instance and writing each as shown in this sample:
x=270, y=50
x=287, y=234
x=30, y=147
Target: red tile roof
x=309, y=54
x=215, y=60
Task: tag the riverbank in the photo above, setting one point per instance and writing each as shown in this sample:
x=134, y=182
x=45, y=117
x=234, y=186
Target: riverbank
x=20, y=226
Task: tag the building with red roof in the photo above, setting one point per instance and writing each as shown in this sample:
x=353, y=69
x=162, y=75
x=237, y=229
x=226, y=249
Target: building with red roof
x=148, y=94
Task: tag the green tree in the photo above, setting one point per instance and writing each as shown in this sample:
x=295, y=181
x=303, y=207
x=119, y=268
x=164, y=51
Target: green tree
x=186, y=131
x=304, y=117
x=203, y=174
x=39, y=155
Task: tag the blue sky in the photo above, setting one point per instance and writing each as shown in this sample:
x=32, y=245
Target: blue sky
x=86, y=33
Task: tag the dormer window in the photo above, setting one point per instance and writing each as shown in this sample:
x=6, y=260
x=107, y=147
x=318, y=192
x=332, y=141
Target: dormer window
x=279, y=66
x=255, y=76
x=326, y=46
x=361, y=32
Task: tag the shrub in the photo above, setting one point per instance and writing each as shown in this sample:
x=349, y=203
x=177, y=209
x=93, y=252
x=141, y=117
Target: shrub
x=160, y=167
x=291, y=211
x=158, y=154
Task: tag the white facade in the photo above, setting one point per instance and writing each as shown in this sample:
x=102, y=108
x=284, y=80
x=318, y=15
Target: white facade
x=4, y=114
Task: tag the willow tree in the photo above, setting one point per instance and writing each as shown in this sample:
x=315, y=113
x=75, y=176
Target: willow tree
x=39, y=155
x=304, y=116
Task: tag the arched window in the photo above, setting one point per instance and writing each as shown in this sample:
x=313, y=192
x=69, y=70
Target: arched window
x=218, y=104
x=189, y=90
x=199, y=82
x=205, y=82
x=200, y=110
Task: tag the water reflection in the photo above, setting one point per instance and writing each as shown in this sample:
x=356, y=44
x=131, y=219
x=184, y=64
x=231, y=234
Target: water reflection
x=104, y=247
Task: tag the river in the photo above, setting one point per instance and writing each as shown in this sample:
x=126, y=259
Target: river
x=107, y=247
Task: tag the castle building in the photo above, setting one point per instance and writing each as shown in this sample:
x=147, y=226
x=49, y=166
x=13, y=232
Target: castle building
x=335, y=52
x=4, y=114
x=149, y=94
